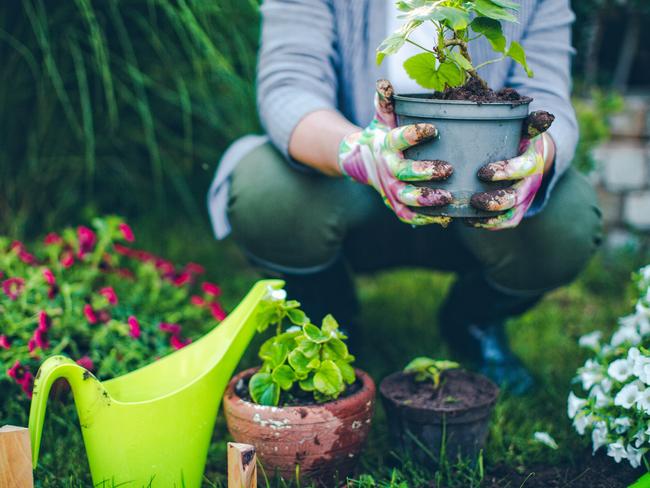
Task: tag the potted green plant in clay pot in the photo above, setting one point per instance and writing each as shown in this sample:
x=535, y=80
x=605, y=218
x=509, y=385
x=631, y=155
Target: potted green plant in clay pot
x=476, y=125
x=438, y=406
x=306, y=409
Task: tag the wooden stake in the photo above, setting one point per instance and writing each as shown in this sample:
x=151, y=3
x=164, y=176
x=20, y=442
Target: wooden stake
x=15, y=458
x=242, y=466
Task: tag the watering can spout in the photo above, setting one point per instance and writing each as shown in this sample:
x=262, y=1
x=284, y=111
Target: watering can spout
x=83, y=384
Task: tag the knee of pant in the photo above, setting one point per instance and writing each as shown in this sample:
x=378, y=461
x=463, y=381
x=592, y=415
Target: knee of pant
x=553, y=250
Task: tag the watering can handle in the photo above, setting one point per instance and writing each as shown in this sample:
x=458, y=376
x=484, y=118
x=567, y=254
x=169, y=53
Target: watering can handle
x=51, y=370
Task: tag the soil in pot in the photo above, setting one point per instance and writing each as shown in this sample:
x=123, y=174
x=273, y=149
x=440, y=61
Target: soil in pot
x=476, y=125
x=325, y=439
x=451, y=420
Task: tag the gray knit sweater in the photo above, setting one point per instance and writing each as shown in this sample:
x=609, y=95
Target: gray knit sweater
x=320, y=54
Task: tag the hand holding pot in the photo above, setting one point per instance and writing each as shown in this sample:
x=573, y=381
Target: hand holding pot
x=374, y=157
x=527, y=170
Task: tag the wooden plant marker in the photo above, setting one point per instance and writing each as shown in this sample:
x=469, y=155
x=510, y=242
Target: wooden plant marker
x=15, y=458
x=242, y=466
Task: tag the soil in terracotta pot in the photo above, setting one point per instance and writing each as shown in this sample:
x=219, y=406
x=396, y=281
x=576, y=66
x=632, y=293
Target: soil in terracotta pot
x=297, y=397
x=474, y=91
x=458, y=390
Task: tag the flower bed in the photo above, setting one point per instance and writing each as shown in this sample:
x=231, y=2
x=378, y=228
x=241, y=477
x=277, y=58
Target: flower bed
x=616, y=409
x=91, y=295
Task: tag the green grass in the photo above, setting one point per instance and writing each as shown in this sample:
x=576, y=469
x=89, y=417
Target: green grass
x=395, y=329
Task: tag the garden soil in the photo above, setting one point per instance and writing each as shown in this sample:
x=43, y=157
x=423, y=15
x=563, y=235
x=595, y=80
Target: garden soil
x=474, y=91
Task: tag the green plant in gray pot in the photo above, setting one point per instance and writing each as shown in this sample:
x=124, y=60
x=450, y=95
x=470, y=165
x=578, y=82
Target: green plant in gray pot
x=475, y=125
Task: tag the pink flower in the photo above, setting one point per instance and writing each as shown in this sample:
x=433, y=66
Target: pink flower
x=17, y=371
x=91, y=317
x=67, y=259
x=134, y=327
x=177, y=343
x=123, y=250
x=86, y=362
x=27, y=384
x=4, y=342
x=182, y=279
x=194, y=268
x=173, y=329
x=217, y=311
x=127, y=232
x=87, y=240
x=165, y=267
x=13, y=287
x=40, y=340
x=109, y=293
x=52, y=238
x=211, y=289
x=44, y=321
x=23, y=255
x=197, y=300
x=49, y=277
x=51, y=293
x=31, y=345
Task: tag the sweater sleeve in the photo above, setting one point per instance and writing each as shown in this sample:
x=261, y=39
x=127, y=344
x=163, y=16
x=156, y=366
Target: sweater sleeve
x=296, y=68
x=547, y=42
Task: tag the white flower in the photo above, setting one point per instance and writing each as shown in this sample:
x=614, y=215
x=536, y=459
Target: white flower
x=645, y=273
x=628, y=396
x=582, y=420
x=574, y=404
x=620, y=370
x=599, y=435
x=640, y=364
x=639, y=438
x=590, y=374
x=278, y=295
x=626, y=334
x=602, y=399
x=546, y=439
x=643, y=400
x=643, y=317
x=617, y=451
x=591, y=340
x=634, y=455
x=621, y=424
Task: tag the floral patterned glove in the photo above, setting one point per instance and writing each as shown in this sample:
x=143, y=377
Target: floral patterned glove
x=374, y=157
x=527, y=170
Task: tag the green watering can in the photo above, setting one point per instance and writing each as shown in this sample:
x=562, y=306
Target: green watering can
x=152, y=427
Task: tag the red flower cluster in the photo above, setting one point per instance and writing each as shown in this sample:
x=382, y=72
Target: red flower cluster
x=23, y=377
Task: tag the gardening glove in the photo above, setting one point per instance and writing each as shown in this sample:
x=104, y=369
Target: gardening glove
x=527, y=170
x=374, y=157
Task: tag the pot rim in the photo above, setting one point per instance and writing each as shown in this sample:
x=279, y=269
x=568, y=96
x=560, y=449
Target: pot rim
x=489, y=403
x=420, y=98
x=367, y=387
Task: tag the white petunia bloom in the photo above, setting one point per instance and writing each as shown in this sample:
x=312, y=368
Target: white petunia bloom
x=601, y=398
x=546, y=439
x=628, y=396
x=634, y=455
x=643, y=318
x=620, y=370
x=639, y=438
x=645, y=273
x=590, y=373
x=622, y=424
x=599, y=435
x=574, y=404
x=626, y=334
x=591, y=340
x=582, y=420
x=643, y=400
x=617, y=451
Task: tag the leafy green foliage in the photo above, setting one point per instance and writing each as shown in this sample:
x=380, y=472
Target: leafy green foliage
x=427, y=369
x=447, y=62
x=306, y=360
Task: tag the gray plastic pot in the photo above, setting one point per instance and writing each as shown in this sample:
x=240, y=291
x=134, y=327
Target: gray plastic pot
x=471, y=134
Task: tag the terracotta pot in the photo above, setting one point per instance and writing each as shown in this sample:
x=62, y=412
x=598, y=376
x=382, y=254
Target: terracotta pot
x=464, y=429
x=324, y=439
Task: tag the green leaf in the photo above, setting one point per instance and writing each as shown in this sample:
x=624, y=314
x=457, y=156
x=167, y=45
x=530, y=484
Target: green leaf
x=507, y=4
x=407, y=5
x=488, y=8
x=335, y=349
x=330, y=325
x=314, y=363
x=455, y=18
x=284, y=377
x=297, y=316
x=263, y=389
x=314, y=334
x=328, y=379
x=307, y=384
x=419, y=364
x=308, y=348
x=492, y=30
x=422, y=68
x=516, y=52
x=390, y=45
x=299, y=362
x=450, y=74
x=275, y=354
x=460, y=60
x=347, y=371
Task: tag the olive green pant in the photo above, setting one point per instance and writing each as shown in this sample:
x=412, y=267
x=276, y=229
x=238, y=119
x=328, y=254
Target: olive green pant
x=297, y=223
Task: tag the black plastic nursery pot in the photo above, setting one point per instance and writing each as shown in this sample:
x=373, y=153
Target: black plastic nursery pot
x=471, y=134
x=423, y=419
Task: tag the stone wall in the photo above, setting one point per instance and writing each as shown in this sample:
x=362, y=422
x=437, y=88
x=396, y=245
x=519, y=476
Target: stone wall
x=622, y=176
